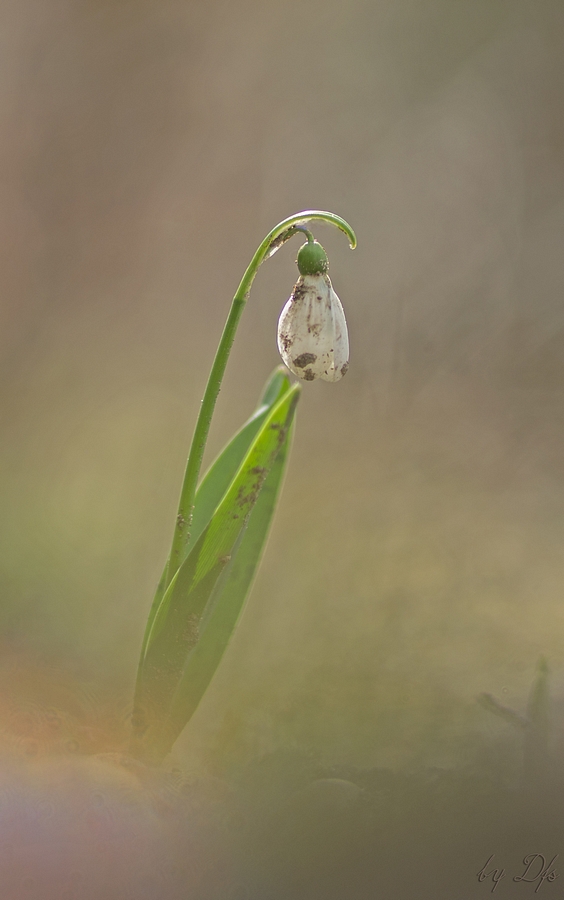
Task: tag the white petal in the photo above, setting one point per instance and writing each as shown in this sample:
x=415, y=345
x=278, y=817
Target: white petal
x=312, y=331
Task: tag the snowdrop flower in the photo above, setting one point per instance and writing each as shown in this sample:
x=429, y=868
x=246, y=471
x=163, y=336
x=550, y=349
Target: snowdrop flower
x=312, y=331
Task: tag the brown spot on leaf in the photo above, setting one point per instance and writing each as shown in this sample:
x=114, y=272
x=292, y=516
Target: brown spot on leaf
x=191, y=630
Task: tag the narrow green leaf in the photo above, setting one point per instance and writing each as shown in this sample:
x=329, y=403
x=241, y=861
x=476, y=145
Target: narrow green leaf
x=220, y=474
x=226, y=604
x=222, y=471
x=176, y=623
x=218, y=538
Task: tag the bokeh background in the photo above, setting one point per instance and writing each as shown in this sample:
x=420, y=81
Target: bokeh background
x=416, y=559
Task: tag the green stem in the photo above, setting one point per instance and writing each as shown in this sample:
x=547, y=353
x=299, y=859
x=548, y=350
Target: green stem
x=272, y=242
x=307, y=232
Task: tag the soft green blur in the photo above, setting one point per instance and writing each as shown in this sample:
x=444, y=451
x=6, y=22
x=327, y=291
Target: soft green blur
x=416, y=559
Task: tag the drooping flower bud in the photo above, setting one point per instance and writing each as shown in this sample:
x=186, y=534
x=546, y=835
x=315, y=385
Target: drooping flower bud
x=312, y=332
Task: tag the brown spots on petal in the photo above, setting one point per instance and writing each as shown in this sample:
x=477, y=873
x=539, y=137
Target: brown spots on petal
x=344, y=368
x=308, y=375
x=285, y=341
x=304, y=359
x=300, y=290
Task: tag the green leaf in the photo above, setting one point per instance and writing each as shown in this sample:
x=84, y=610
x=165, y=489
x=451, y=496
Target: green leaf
x=177, y=621
x=226, y=604
x=220, y=474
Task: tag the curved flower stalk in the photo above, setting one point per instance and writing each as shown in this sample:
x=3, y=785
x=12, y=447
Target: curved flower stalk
x=222, y=523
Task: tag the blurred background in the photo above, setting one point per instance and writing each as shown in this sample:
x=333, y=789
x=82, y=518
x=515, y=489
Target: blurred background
x=416, y=559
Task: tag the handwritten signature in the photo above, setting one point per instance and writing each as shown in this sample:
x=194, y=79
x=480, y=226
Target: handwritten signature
x=536, y=871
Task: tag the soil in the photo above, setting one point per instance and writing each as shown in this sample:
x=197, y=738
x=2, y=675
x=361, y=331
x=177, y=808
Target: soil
x=81, y=820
